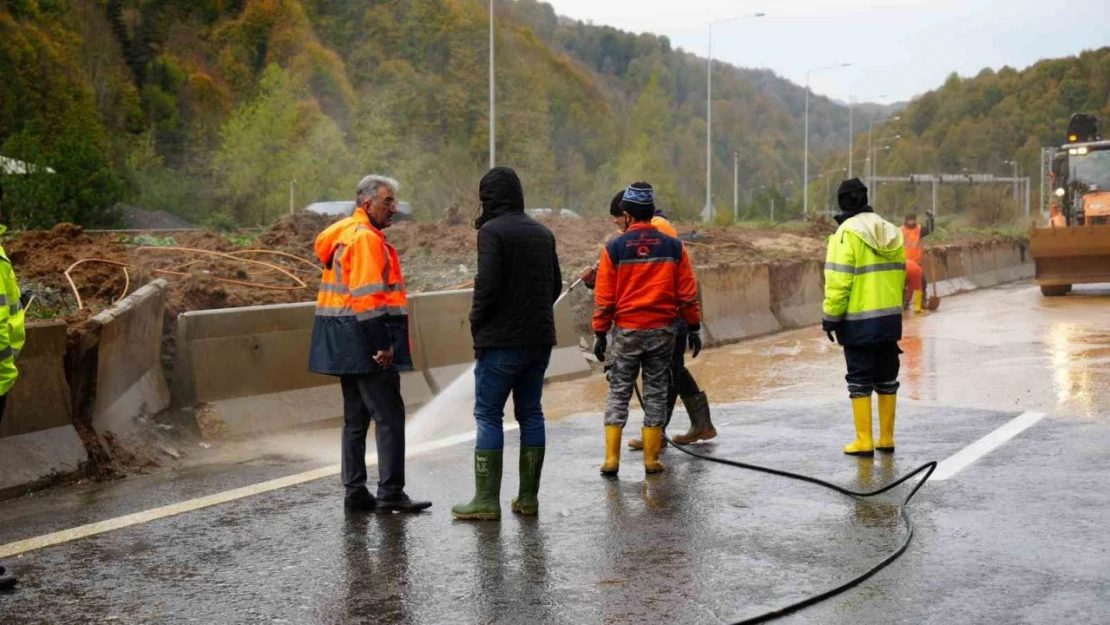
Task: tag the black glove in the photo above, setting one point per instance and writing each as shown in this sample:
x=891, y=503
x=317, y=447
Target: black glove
x=694, y=341
x=601, y=342
x=830, y=328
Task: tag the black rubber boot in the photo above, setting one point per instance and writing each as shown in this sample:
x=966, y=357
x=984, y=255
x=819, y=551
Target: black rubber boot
x=701, y=425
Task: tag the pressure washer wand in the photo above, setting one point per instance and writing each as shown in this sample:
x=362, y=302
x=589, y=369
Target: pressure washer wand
x=567, y=292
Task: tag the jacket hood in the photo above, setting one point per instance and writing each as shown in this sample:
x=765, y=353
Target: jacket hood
x=877, y=233
x=500, y=192
x=328, y=240
x=852, y=199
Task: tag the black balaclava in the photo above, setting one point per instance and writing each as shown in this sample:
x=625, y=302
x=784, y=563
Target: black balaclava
x=852, y=198
x=500, y=192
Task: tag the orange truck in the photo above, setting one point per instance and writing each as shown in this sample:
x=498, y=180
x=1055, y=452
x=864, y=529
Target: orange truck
x=1074, y=248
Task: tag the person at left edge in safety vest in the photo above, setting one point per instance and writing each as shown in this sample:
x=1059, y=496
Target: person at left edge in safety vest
x=12, y=337
x=865, y=279
x=360, y=334
x=645, y=282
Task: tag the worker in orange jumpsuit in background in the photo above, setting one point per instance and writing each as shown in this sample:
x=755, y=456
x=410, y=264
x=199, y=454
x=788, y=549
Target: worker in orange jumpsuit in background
x=915, y=286
x=1056, y=217
x=912, y=234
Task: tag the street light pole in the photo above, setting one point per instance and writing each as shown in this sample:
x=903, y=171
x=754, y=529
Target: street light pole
x=492, y=95
x=851, y=134
x=852, y=130
x=707, y=212
x=870, y=174
x=805, y=172
x=735, y=186
x=1017, y=198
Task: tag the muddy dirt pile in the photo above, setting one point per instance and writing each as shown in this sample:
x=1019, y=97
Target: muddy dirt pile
x=208, y=270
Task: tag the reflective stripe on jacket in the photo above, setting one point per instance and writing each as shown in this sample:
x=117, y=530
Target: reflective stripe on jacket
x=645, y=281
x=361, y=307
x=865, y=275
x=12, y=332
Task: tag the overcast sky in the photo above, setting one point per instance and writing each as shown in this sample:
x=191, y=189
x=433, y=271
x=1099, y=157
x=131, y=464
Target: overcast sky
x=900, y=48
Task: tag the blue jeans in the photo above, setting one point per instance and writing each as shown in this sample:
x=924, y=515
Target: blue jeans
x=498, y=373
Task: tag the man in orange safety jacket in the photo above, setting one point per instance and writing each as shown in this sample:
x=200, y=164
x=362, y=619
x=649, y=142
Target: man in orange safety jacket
x=645, y=284
x=360, y=334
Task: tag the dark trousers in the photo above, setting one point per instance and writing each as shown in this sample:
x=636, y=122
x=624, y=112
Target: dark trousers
x=872, y=368
x=3, y=404
x=682, y=383
x=500, y=372
x=374, y=396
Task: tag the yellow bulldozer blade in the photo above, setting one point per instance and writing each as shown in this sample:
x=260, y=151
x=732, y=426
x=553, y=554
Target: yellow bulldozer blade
x=1072, y=255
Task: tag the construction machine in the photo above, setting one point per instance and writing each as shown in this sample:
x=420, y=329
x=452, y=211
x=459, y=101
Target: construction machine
x=1074, y=248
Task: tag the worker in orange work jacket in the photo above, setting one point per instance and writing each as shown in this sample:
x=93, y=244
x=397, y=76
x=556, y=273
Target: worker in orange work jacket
x=912, y=234
x=361, y=335
x=645, y=284
x=683, y=383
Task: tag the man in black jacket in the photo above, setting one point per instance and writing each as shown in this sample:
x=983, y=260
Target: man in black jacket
x=513, y=325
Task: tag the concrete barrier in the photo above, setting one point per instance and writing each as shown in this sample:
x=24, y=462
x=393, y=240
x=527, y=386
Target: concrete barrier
x=971, y=267
x=797, y=293
x=736, y=302
x=129, y=378
x=440, y=333
x=37, y=439
x=272, y=389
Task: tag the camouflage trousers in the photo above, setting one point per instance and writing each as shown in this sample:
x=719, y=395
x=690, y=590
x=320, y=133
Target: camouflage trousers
x=633, y=350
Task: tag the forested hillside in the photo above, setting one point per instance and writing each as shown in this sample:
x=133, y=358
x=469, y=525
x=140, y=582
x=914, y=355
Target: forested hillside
x=214, y=109
x=976, y=124
x=211, y=109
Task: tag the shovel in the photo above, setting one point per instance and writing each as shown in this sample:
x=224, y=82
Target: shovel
x=934, y=299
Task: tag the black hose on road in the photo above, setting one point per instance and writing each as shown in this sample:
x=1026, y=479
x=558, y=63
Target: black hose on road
x=926, y=468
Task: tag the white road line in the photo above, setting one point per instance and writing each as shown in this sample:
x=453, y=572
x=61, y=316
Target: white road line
x=959, y=461
x=146, y=516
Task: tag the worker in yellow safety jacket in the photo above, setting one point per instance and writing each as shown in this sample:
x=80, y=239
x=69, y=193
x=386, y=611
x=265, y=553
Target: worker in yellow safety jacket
x=12, y=336
x=865, y=275
x=361, y=335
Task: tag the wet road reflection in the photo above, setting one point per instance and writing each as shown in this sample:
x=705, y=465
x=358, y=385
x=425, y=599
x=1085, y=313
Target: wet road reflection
x=1005, y=348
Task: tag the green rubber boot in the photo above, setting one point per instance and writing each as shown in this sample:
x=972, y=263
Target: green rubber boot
x=531, y=466
x=486, y=505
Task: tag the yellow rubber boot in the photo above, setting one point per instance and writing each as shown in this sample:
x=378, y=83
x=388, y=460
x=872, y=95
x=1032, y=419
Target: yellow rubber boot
x=917, y=297
x=887, y=406
x=864, y=445
x=653, y=444
x=612, y=450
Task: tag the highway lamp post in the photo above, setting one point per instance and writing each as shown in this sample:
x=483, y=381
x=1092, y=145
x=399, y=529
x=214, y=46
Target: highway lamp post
x=852, y=128
x=1017, y=197
x=735, y=186
x=805, y=171
x=870, y=174
x=492, y=94
x=828, y=188
x=875, y=172
x=707, y=212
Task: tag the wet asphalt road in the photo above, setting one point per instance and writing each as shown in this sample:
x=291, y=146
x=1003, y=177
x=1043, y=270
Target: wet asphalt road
x=1021, y=536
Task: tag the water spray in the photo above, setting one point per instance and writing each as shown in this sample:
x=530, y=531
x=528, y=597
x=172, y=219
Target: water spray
x=456, y=397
